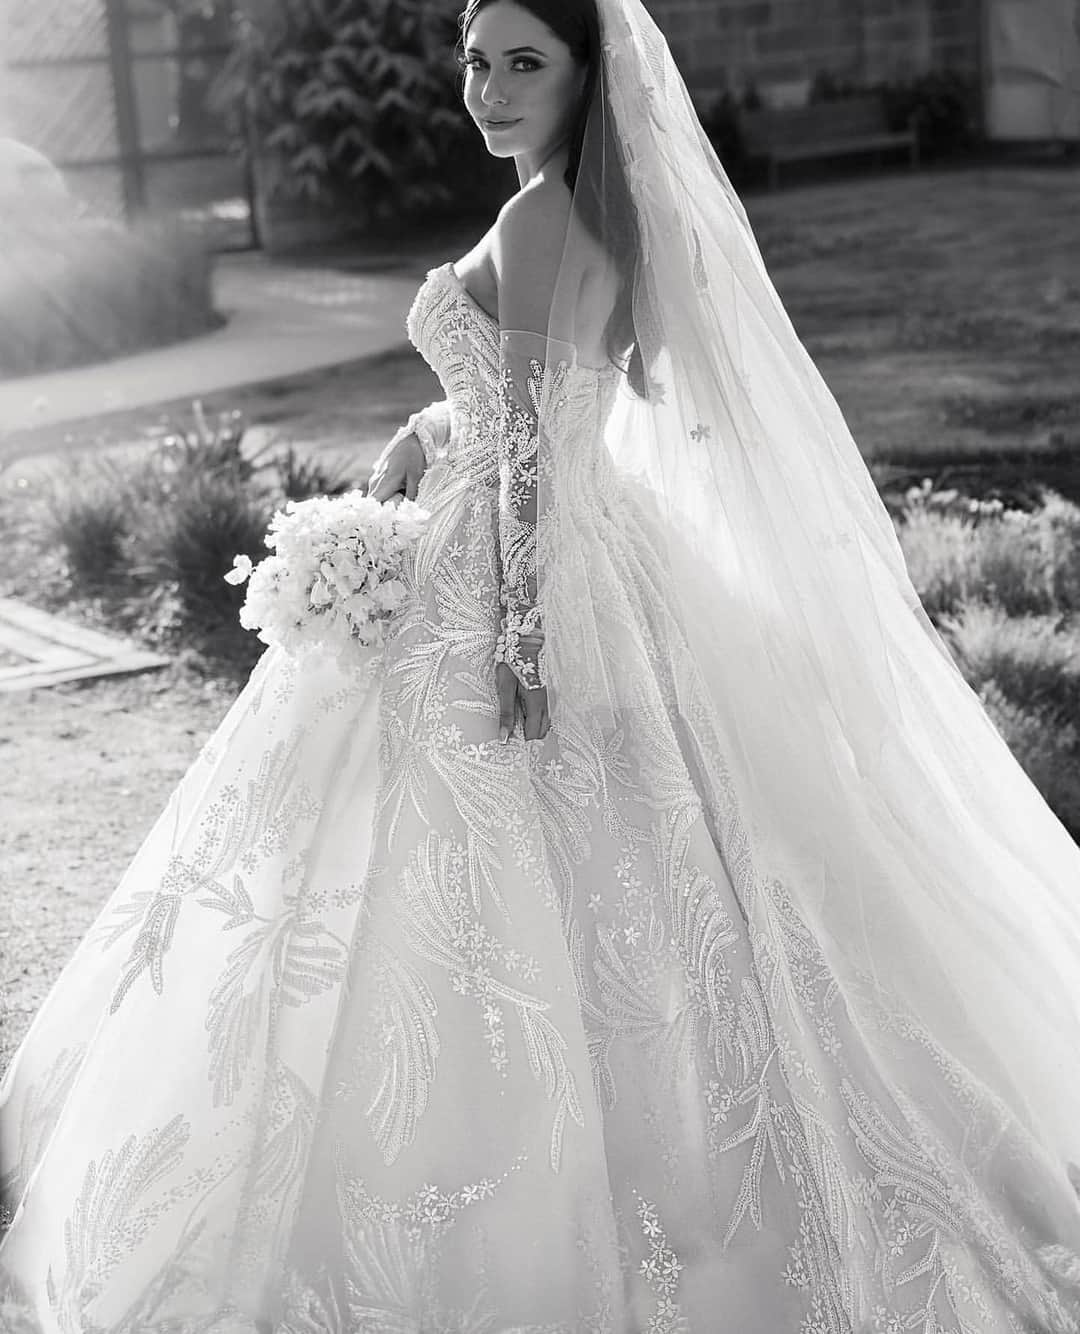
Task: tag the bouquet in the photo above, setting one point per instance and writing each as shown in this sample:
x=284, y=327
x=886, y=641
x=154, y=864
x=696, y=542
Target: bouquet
x=335, y=576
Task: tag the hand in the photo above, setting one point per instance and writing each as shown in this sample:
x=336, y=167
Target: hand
x=398, y=468
x=513, y=696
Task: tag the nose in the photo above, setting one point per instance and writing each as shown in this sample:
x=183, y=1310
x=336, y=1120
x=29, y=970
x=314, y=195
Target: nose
x=492, y=92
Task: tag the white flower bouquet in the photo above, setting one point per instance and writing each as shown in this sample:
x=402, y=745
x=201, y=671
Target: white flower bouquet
x=334, y=577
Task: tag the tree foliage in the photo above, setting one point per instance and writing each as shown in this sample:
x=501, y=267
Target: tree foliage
x=351, y=102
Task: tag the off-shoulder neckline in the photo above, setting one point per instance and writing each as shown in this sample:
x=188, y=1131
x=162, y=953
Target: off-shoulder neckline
x=452, y=274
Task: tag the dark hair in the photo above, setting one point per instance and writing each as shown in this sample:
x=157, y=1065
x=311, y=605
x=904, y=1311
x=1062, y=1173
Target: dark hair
x=604, y=207
x=576, y=25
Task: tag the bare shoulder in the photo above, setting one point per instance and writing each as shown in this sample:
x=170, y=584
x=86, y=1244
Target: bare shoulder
x=536, y=216
x=529, y=237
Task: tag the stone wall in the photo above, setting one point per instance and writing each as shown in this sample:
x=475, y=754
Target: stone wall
x=728, y=43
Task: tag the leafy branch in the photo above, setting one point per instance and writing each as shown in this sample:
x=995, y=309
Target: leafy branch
x=352, y=102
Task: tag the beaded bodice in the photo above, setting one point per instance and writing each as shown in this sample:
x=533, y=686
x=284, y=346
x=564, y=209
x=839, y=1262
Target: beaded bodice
x=460, y=342
x=522, y=422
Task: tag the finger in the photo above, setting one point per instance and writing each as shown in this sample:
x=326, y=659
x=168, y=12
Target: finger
x=507, y=692
x=535, y=712
x=388, y=486
x=543, y=717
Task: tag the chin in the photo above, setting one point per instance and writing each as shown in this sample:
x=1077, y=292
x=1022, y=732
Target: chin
x=502, y=145
x=499, y=148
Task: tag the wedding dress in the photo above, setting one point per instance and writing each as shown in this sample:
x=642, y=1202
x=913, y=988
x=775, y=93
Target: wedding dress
x=393, y=1027
x=747, y=1001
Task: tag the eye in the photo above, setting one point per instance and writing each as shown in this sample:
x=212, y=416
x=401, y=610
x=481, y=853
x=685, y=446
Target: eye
x=522, y=64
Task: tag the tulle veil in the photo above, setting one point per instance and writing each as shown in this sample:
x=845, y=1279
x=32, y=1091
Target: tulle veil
x=872, y=784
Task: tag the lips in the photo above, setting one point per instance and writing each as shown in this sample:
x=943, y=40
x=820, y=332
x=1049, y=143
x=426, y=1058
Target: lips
x=499, y=124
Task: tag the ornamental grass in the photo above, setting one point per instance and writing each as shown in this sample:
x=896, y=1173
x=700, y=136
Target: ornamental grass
x=84, y=290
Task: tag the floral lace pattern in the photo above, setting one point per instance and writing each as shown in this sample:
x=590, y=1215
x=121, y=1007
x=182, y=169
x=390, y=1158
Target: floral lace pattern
x=393, y=1028
x=521, y=639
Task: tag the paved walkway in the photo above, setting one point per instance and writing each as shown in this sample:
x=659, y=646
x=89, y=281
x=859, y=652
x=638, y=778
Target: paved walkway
x=282, y=319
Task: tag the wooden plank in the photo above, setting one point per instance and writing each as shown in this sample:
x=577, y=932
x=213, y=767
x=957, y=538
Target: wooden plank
x=36, y=647
x=58, y=651
x=59, y=659
x=44, y=626
x=124, y=666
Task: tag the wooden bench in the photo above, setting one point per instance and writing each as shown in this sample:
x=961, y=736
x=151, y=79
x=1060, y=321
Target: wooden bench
x=823, y=129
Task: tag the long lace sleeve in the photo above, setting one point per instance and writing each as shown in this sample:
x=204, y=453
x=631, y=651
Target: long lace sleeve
x=521, y=640
x=431, y=426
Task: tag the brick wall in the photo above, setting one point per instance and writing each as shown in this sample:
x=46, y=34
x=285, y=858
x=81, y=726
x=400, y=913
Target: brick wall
x=727, y=43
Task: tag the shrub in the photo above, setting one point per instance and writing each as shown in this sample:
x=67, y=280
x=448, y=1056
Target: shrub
x=150, y=534
x=190, y=543
x=352, y=102
x=959, y=550
x=1056, y=525
x=1033, y=660
x=215, y=448
x=952, y=561
x=300, y=476
x=945, y=103
x=1026, y=671
x=92, y=523
x=89, y=289
x=1004, y=587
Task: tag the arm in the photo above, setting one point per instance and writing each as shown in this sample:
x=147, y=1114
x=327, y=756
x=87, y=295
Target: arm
x=528, y=249
x=411, y=452
x=431, y=426
x=521, y=638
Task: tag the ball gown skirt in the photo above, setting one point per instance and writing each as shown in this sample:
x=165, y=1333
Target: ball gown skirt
x=394, y=1028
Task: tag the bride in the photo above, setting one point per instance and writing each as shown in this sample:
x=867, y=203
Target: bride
x=664, y=939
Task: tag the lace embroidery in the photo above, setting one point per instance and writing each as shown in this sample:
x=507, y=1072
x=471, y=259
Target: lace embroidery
x=521, y=639
x=580, y=934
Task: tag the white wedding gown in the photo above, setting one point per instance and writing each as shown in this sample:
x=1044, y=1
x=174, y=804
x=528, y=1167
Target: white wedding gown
x=393, y=1028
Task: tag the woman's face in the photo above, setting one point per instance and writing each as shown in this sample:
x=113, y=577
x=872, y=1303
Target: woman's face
x=522, y=83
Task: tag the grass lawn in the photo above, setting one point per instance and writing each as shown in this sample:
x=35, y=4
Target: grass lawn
x=943, y=309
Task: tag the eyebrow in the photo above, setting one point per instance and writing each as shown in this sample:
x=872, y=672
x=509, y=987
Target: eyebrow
x=513, y=51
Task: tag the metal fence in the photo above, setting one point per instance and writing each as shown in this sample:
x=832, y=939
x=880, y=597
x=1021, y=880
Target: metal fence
x=115, y=93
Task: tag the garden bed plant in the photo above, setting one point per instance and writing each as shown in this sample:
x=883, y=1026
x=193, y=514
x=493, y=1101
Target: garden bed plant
x=1002, y=584
x=138, y=540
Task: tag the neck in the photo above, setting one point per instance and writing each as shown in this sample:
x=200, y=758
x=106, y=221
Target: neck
x=530, y=165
